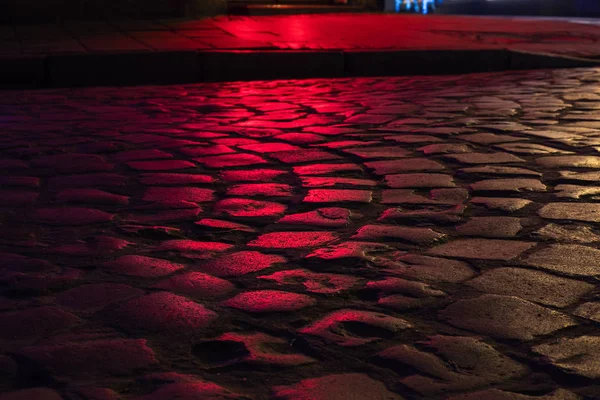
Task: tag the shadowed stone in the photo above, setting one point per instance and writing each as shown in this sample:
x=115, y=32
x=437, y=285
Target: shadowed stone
x=339, y=326
x=93, y=393
x=93, y=358
x=69, y=163
x=190, y=390
x=578, y=356
x=90, y=196
x=248, y=348
x=35, y=323
x=162, y=312
x=96, y=296
x=531, y=285
x=174, y=179
x=70, y=216
x=453, y=363
x=160, y=217
x=496, y=394
x=95, y=181
x=162, y=165
x=401, y=294
x=505, y=317
x=31, y=394
x=17, y=198
x=142, y=266
x=336, y=387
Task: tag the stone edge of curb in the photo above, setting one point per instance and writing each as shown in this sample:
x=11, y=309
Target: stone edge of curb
x=177, y=67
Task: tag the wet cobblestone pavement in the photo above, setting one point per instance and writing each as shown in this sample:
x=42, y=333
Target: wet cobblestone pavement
x=416, y=238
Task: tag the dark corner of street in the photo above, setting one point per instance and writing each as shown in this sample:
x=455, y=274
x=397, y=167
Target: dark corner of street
x=299, y=199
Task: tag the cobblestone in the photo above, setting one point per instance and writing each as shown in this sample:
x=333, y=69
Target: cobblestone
x=295, y=239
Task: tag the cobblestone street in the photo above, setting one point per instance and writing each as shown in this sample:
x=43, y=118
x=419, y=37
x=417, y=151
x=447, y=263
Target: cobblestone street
x=380, y=238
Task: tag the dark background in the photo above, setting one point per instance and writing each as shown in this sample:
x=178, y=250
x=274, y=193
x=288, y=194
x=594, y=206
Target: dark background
x=580, y=8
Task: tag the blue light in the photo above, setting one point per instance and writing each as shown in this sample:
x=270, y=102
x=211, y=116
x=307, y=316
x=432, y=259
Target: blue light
x=419, y=6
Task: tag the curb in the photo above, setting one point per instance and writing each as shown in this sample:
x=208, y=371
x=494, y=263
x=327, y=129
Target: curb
x=175, y=67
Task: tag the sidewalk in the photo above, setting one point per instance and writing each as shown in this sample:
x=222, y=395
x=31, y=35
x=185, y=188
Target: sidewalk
x=291, y=46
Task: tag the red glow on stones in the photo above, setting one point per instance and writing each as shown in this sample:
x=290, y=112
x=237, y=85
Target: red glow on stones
x=192, y=194
x=196, y=284
x=261, y=301
x=193, y=246
x=261, y=189
x=312, y=281
x=241, y=263
x=249, y=208
x=292, y=240
x=262, y=175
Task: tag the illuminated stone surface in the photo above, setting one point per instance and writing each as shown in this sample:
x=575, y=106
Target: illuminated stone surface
x=196, y=284
x=241, y=263
x=486, y=249
x=576, y=355
x=505, y=317
x=418, y=238
x=292, y=240
x=264, y=301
